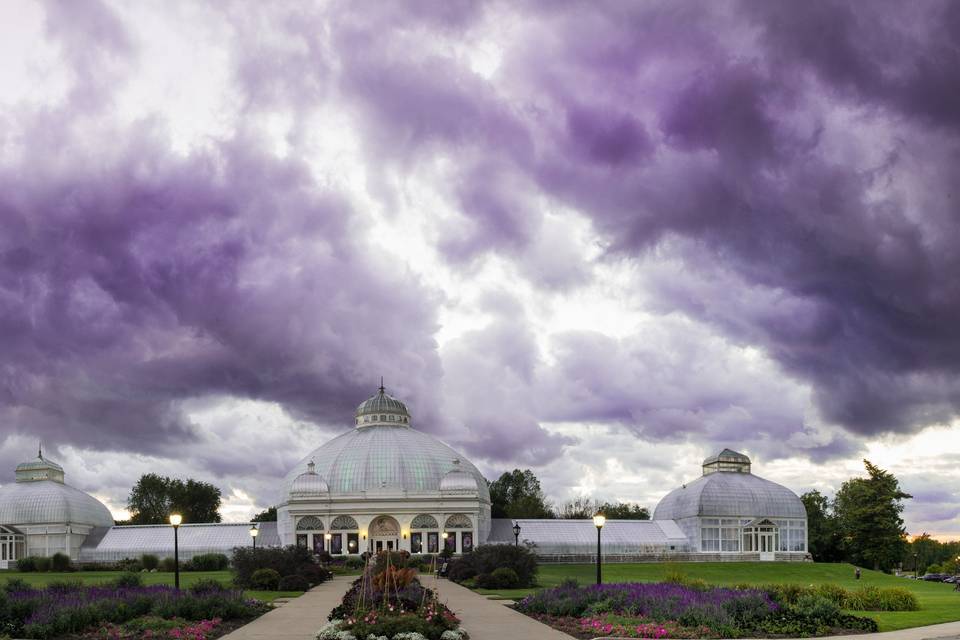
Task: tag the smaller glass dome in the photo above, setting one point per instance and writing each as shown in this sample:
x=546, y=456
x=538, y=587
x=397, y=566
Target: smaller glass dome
x=458, y=481
x=39, y=496
x=382, y=409
x=309, y=484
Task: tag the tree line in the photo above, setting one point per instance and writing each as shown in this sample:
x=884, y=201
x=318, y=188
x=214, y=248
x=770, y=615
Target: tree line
x=518, y=494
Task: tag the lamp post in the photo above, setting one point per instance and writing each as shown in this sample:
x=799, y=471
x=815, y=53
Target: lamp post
x=516, y=534
x=444, y=535
x=253, y=534
x=175, y=520
x=327, y=538
x=598, y=521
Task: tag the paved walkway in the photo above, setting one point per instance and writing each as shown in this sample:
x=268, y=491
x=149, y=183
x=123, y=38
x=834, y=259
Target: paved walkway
x=299, y=619
x=487, y=619
x=484, y=619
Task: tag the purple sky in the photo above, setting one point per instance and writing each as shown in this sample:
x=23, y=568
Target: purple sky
x=601, y=240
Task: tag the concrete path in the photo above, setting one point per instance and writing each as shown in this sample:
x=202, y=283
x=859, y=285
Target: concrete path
x=298, y=619
x=484, y=619
x=487, y=619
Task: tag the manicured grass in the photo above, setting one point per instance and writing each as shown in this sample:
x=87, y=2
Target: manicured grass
x=187, y=578
x=938, y=602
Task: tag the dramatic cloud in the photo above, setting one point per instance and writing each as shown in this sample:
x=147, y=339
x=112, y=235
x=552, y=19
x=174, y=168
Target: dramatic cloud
x=559, y=230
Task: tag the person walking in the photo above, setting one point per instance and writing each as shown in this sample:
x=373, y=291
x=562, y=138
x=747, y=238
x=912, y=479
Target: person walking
x=856, y=573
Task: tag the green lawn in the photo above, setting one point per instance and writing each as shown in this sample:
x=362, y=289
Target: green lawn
x=938, y=602
x=187, y=578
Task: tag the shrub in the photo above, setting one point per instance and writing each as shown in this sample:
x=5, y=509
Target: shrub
x=206, y=585
x=210, y=562
x=149, y=561
x=15, y=584
x=42, y=564
x=127, y=580
x=876, y=599
x=168, y=565
x=353, y=563
x=502, y=578
x=488, y=558
x=817, y=607
x=461, y=571
x=314, y=574
x=60, y=562
x=265, y=579
x=286, y=561
x=293, y=583
x=832, y=592
x=129, y=564
x=27, y=565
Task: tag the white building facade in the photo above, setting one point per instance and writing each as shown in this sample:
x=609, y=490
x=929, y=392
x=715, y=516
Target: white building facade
x=384, y=485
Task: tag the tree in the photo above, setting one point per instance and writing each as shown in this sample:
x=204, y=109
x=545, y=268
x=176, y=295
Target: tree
x=624, y=511
x=154, y=497
x=578, y=508
x=868, y=514
x=269, y=515
x=149, y=501
x=517, y=494
x=823, y=535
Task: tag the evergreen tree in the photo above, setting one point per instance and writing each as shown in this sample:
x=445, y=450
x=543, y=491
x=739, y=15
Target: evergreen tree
x=868, y=515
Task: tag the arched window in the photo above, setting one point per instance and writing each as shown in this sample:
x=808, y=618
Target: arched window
x=343, y=523
x=310, y=523
x=459, y=521
x=424, y=521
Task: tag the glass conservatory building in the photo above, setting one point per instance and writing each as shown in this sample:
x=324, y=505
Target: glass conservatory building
x=385, y=485
x=734, y=514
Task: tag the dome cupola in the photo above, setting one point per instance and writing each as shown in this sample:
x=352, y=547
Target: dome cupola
x=382, y=409
x=309, y=484
x=39, y=469
x=458, y=480
x=728, y=461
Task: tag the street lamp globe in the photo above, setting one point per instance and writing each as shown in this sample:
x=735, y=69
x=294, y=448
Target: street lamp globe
x=176, y=519
x=599, y=520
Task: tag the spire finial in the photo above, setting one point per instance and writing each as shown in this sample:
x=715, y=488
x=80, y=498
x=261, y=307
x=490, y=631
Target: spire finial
x=382, y=390
x=40, y=450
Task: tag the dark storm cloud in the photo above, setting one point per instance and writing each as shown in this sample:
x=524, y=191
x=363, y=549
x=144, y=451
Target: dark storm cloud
x=810, y=150
x=148, y=279
x=796, y=161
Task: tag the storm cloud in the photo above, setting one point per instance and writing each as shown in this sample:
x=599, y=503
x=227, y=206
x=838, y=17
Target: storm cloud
x=718, y=223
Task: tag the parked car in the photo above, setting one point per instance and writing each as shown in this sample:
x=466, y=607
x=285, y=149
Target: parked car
x=934, y=577
x=952, y=579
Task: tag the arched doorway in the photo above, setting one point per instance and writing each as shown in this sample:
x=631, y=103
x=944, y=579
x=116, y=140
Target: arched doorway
x=384, y=534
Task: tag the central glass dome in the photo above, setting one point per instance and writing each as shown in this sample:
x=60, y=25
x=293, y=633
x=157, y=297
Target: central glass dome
x=385, y=455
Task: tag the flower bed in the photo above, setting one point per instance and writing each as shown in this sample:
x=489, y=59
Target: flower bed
x=109, y=611
x=670, y=610
x=388, y=602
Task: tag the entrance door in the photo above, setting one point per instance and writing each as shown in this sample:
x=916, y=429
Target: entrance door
x=379, y=546
x=767, y=547
x=390, y=545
